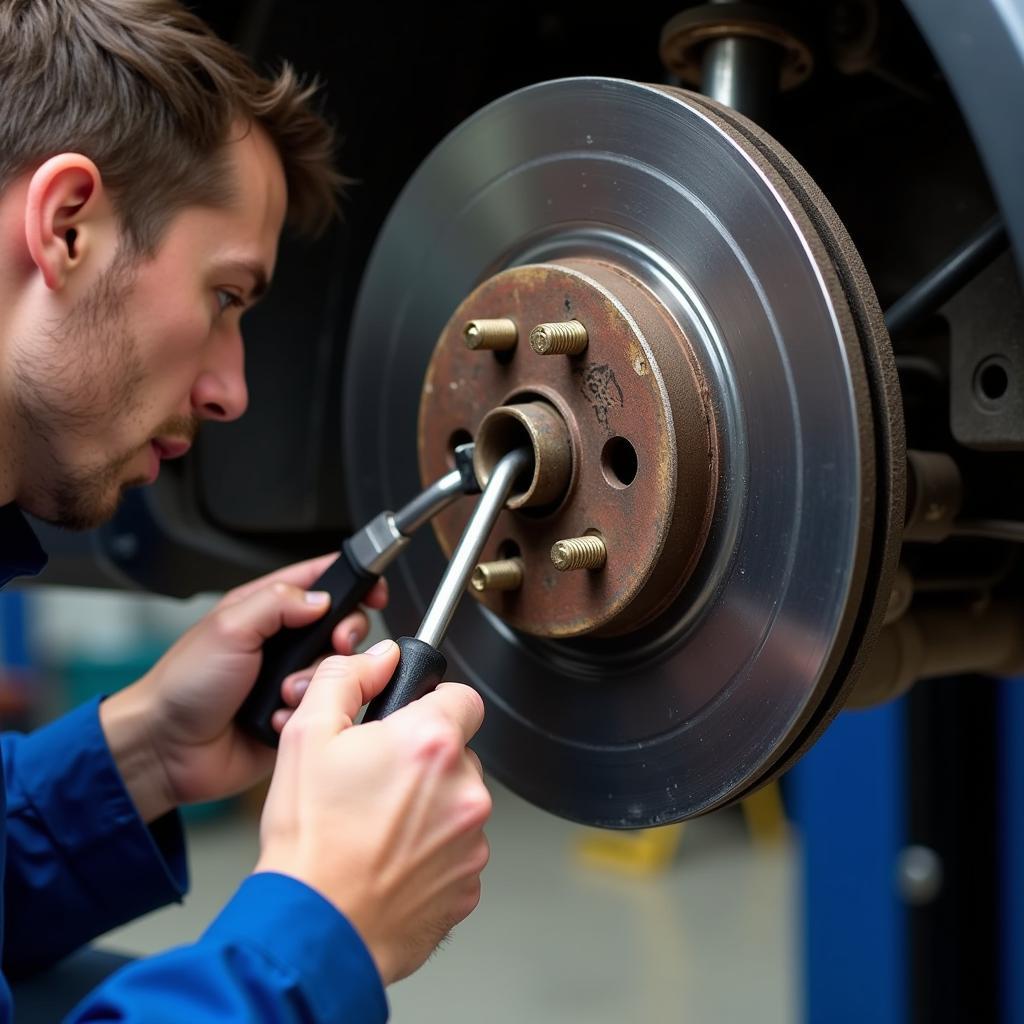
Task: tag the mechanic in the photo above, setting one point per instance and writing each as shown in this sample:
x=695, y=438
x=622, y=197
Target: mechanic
x=146, y=172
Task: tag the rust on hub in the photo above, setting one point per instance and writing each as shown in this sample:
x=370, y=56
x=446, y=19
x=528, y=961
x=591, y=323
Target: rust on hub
x=538, y=426
x=641, y=461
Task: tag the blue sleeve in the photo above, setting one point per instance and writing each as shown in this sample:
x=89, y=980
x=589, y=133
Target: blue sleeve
x=79, y=859
x=278, y=953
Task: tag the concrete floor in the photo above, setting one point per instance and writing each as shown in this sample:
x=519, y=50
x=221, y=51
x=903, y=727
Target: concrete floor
x=709, y=940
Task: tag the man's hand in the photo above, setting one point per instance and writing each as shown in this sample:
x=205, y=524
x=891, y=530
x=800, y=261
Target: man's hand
x=385, y=819
x=172, y=733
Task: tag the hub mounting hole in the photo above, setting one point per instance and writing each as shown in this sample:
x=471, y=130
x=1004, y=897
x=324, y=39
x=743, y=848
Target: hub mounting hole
x=619, y=462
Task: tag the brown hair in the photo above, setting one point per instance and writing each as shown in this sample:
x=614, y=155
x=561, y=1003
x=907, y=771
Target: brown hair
x=149, y=93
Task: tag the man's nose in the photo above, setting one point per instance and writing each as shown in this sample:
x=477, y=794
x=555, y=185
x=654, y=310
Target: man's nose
x=220, y=391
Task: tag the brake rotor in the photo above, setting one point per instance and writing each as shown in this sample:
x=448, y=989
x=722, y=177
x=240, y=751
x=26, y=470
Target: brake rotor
x=738, y=287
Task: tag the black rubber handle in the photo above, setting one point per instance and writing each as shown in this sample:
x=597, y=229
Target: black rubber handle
x=294, y=649
x=420, y=668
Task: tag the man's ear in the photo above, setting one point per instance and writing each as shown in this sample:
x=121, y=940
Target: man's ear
x=67, y=213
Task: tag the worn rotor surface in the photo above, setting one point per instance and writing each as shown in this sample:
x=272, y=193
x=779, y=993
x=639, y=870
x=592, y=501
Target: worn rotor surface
x=690, y=709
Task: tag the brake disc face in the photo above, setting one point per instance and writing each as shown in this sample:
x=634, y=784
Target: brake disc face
x=734, y=426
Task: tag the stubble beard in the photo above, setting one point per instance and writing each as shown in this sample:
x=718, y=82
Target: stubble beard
x=85, y=370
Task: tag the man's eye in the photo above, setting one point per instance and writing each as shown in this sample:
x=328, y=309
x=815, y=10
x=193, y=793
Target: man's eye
x=226, y=299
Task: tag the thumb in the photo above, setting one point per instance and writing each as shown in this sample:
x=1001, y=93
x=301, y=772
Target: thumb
x=341, y=686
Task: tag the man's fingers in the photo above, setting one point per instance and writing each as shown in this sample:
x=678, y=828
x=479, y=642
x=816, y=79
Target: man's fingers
x=350, y=633
x=301, y=574
x=295, y=685
x=353, y=629
x=280, y=717
x=246, y=624
x=458, y=703
x=474, y=760
x=341, y=686
x=378, y=596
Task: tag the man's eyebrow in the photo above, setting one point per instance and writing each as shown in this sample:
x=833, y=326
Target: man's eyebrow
x=255, y=270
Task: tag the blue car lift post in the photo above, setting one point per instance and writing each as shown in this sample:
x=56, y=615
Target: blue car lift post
x=942, y=768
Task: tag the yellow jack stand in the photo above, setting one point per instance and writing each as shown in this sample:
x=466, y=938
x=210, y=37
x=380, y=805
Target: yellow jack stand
x=650, y=851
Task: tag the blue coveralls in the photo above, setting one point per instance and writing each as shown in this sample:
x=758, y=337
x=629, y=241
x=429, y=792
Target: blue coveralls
x=77, y=860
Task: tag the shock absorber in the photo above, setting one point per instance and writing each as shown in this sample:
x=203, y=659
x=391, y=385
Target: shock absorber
x=739, y=54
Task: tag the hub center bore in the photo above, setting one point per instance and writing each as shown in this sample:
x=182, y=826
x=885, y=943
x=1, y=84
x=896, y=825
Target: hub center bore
x=581, y=361
x=538, y=426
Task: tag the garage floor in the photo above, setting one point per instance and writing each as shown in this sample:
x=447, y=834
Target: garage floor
x=555, y=940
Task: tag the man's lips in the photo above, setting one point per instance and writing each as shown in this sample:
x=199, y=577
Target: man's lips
x=170, y=447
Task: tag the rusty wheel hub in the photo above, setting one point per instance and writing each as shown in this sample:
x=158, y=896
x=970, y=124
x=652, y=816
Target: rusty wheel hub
x=629, y=412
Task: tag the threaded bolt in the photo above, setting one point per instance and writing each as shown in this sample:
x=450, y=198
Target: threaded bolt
x=568, y=338
x=506, y=574
x=493, y=335
x=579, y=553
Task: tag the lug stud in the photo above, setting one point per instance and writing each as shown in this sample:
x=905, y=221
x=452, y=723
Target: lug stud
x=505, y=574
x=492, y=335
x=579, y=553
x=568, y=338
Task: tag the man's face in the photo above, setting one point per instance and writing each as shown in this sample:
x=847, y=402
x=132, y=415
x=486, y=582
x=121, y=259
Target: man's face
x=148, y=352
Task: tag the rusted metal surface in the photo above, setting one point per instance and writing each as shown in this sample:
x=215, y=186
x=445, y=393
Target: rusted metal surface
x=644, y=452
x=538, y=425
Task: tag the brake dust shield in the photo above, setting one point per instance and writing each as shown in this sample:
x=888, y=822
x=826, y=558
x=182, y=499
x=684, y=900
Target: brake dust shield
x=735, y=431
